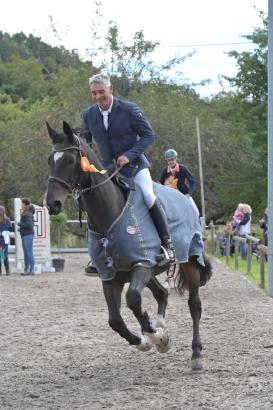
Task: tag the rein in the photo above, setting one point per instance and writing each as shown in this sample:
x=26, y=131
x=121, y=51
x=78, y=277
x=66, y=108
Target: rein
x=103, y=182
x=78, y=191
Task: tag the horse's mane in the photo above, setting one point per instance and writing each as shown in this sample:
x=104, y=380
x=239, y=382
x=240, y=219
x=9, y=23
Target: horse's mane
x=86, y=150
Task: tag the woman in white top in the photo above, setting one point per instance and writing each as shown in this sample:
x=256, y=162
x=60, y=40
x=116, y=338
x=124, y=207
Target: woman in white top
x=244, y=227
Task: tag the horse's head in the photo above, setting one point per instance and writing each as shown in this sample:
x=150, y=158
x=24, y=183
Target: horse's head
x=74, y=169
x=64, y=165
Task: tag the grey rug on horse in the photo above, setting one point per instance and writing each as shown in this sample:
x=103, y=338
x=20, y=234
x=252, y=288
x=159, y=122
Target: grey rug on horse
x=133, y=239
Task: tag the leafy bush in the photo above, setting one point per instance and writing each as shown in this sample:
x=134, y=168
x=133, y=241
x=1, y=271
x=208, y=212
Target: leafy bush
x=61, y=218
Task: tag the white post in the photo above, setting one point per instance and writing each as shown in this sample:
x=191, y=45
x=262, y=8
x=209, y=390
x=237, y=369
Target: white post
x=270, y=147
x=201, y=173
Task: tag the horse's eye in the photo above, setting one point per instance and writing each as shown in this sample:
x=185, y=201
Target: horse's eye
x=71, y=160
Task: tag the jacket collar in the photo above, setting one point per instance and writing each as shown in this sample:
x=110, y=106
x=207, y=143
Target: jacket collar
x=173, y=170
x=114, y=110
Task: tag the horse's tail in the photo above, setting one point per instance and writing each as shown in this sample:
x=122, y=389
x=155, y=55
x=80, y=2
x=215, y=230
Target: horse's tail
x=181, y=283
x=205, y=271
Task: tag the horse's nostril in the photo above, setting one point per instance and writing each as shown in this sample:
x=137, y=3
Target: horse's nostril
x=57, y=206
x=54, y=208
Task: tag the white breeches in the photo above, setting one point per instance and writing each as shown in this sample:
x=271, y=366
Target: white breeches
x=144, y=182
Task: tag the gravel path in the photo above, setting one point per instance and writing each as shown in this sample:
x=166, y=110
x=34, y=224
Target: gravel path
x=57, y=351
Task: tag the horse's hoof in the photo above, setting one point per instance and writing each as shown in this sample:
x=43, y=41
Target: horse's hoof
x=159, y=322
x=145, y=344
x=165, y=343
x=160, y=339
x=197, y=364
x=165, y=346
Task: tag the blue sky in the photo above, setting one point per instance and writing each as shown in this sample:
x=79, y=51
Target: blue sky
x=181, y=26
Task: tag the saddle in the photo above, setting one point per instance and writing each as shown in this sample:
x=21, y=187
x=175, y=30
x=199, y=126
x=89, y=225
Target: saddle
x=124, y=183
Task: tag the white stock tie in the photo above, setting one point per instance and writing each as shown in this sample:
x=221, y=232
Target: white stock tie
x=105, y=118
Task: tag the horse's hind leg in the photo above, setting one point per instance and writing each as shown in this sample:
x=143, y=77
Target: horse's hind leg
x=112, y=293
x=160, y=294
x=196, y=310
x=192, y=274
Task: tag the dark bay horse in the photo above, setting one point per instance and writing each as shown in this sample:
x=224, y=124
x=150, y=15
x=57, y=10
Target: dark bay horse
x=103, y=202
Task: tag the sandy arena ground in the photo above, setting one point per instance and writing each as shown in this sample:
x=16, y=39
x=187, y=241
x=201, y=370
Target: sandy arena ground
x=58, y=352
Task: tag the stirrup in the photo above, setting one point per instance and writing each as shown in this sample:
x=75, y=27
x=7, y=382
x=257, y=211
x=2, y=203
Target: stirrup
x=165, y=258
x=91, y=269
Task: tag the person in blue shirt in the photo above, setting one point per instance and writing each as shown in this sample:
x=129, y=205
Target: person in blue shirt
x=264, y=226
x=26, y=228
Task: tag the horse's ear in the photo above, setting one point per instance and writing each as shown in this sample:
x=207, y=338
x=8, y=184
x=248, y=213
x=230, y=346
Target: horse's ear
x=53, y=134
x=68, y=131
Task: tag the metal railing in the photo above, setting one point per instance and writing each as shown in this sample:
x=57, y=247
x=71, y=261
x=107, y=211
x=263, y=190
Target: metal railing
x=55, y=249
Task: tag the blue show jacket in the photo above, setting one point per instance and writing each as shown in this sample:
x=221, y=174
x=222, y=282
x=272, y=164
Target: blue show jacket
x=129, y=133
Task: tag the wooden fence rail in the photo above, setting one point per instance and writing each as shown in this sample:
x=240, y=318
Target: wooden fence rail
x=254, y=247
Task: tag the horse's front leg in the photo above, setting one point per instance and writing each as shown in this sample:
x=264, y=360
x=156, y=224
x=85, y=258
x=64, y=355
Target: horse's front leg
x=112, y=292
x=140, y=278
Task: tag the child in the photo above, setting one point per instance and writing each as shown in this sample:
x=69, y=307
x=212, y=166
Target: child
x=238, y=215
x=5, y=229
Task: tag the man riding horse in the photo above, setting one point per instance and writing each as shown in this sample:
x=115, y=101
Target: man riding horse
x=125, y=244
x=122, y=134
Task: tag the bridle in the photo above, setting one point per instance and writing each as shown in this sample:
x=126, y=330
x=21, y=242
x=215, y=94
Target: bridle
x=61, y=181
x=77, y=191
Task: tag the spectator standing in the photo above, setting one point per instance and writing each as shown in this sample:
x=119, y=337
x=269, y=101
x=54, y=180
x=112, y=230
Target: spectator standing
x=264, y=226
x=5, y=229
x=227, y=235
x=26, y=228
x=244, y=227
x=238, y=215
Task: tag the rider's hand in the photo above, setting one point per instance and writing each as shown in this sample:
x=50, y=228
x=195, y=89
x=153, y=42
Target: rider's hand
x=122, y=160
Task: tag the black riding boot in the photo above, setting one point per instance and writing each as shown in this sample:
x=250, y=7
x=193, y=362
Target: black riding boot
x=161, y=224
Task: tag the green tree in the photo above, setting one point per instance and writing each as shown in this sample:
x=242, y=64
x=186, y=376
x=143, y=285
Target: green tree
x=44, y=83
x=251, y=78
x=251, y=101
